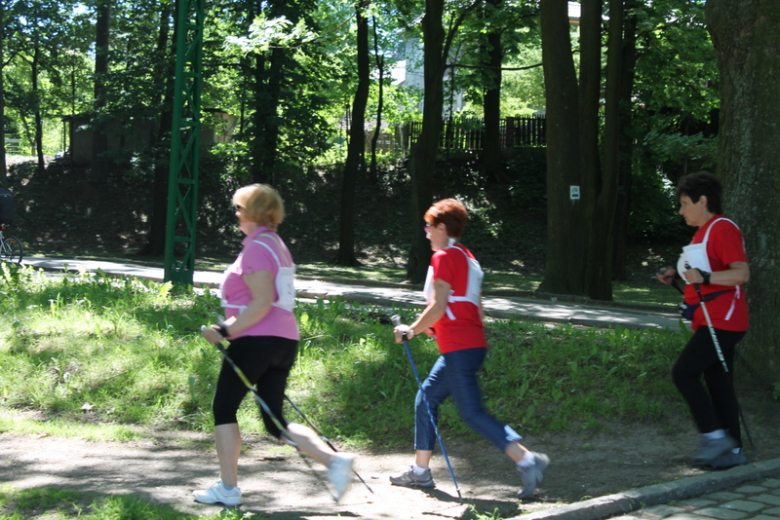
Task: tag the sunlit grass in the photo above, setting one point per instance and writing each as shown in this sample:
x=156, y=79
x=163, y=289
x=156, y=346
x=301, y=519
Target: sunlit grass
x=101, y=357
x=52, y=503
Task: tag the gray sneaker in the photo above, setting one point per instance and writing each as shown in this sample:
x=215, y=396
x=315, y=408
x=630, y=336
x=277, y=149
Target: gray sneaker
x=410, y=479
x=711, y=449
x=532, y=475
x=728, y=460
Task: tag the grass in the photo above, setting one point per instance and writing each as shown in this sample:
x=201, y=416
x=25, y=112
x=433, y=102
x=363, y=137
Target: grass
x=73, y=349
x=51, y=503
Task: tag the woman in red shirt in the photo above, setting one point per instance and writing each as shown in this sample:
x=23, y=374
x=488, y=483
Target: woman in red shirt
x=715, y=261
x=454, y=317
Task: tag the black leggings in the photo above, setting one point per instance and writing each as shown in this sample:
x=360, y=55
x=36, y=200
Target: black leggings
x=266, y=361
x=714, y=407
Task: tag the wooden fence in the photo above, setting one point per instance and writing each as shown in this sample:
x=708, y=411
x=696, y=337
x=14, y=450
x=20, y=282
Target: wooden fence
x=468, y=135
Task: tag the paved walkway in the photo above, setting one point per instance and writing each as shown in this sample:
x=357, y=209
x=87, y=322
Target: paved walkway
x=750, y=492
x=544, y=309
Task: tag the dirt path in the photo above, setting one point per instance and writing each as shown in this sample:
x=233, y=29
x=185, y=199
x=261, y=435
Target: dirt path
x=277, y=483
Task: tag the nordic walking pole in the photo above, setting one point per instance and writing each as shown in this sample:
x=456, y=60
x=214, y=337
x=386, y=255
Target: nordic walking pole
x=397, y=321
x=709, y=324
x=263, y=405
x=324, y=439
x=720, y=356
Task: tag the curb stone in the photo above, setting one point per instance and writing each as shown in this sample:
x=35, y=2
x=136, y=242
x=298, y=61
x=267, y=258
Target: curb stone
x=628, y=501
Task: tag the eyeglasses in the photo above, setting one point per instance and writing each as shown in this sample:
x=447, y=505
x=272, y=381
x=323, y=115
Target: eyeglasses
x=427, y=228
x=238, y=207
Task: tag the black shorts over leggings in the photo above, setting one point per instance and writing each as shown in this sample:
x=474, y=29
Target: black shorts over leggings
x=266, y=361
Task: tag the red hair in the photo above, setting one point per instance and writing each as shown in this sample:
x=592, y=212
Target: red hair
x=451, y=213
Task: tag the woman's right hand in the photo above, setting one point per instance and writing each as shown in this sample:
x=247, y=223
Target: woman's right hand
x=666, y=275
x=211, y=335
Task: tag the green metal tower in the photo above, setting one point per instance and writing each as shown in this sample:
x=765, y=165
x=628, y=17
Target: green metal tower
x=185, y=144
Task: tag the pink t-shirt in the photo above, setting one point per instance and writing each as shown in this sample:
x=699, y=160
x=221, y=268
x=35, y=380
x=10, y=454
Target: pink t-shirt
x=235, y=293
x=729, y=311
x=466, y=330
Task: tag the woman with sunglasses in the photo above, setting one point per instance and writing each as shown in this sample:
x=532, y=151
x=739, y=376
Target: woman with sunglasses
x=258, y=296
x=454, y=317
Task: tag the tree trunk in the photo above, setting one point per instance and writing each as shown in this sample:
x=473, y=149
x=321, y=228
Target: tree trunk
x=99, y=136
x=355, y=164
x=36, y=61
x=3, y=169
x=598, y=276
x=491, y=156
x=155, y=245
x=423, y=160
x=380, y=66
x=265, y=136
x=622, y=210
x=564, y=264
x=747, y=40
x=590, y=93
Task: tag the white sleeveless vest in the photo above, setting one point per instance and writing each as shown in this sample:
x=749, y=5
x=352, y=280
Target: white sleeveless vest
x=474, y=286
x=695, y=255
x=284, y=281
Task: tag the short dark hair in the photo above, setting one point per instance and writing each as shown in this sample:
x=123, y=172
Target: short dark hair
x=694, y=185
x=451, y=213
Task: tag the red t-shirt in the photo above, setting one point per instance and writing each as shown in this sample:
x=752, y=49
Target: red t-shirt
x=466, y=330
x=725, y=245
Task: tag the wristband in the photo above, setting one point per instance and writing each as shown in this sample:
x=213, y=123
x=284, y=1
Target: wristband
x=410, y=333
x=221, y=329
x=705, y=275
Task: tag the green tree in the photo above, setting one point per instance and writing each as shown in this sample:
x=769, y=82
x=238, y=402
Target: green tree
x=565, y=237
x=40, y=35
x=437, y=45
x=355, y=164
x=746, y=40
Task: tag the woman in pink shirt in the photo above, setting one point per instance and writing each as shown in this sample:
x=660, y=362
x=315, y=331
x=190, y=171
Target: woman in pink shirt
x=259, y=296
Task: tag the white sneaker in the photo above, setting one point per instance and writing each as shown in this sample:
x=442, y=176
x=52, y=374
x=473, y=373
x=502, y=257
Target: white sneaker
x=217, y=494
x=340, y=474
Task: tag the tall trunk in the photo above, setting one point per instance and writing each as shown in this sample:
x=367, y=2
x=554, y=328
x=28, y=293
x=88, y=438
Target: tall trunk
x=3, y=169
x=423, y=160
x=380, y=65
x=598, y=276
x=619, y=261
x=590, y=93
x=746, y=40
x=155, y=245
x=265, y=138
x=99, y=135
x=355, y=164
x=491, y=156
x=36, y=61
x=565, y=257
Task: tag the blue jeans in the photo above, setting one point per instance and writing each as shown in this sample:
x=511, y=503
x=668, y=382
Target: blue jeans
x=455, y=374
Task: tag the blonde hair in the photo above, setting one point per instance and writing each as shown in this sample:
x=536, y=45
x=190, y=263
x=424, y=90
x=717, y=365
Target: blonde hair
x=260, y=203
